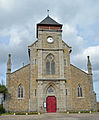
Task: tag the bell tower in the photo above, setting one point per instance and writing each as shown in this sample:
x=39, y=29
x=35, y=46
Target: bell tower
x=49, y=33
x=50, y=52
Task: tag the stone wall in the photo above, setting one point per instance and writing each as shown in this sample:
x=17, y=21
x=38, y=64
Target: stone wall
x=80, y=77
x=12, y=102
x=98, y=106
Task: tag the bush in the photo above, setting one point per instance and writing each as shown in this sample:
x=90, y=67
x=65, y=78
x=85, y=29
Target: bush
x=31, y=113
x=2, y=110
x=24, y=113
x=85, y=111
x=8, y=113
x=73, y=112
x=20, y=113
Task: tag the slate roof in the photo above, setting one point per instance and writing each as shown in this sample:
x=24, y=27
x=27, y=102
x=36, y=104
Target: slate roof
x=49, y=21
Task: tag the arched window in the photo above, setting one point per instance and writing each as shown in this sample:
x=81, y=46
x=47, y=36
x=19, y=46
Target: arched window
x=79, y=91
x=50, y=65
x=20, y=91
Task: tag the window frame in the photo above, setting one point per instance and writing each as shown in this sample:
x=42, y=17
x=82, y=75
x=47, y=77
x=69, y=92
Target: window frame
x=51, y=61
x=79, y=92
x=20, y=92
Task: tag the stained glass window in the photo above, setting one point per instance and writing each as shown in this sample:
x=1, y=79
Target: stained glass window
x=53, y=67
x=48, y=68
x=50, y=65
x=50, y=90
x=66, y=91
x=20, y=91
x=64, y=61
x=35, y=92
x=79, y=91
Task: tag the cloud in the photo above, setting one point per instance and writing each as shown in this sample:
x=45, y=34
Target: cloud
x=20, y=38
x=6, y=4
x=82, y=57
x=96, y=76
x=80, y=60
x=71, y=37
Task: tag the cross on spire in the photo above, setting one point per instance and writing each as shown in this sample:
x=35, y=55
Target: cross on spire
x=48, y=12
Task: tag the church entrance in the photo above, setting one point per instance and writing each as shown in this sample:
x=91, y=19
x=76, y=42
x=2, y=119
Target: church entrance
x=51, y=104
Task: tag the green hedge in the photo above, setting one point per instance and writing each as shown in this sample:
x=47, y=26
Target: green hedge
x=20, y=113
x=24, y=113
x=31, y=113
x=2, y=110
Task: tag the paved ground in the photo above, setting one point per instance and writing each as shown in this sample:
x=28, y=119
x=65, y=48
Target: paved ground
x=54, y=116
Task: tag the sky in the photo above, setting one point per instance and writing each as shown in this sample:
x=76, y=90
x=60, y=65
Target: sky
x=80, y=19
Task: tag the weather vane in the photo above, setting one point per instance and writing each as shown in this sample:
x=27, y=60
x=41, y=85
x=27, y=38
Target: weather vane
x=48, y=12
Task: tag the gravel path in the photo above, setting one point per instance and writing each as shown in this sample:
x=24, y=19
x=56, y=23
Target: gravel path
x=54, y=116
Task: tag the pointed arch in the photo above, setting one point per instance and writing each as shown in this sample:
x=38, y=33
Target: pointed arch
x=48, y=86
x=50, y=55
x=50, y=89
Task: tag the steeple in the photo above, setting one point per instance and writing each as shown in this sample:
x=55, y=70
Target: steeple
x=48, y=24
x=89, y=66
x=9, y=64
x=49, y=21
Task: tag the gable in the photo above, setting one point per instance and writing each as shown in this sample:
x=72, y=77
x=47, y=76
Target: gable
x=74, y=68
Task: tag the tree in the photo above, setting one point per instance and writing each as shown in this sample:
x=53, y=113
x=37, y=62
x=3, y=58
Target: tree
x=3, y=90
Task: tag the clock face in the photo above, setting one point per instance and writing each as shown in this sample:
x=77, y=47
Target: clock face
x=50, y=39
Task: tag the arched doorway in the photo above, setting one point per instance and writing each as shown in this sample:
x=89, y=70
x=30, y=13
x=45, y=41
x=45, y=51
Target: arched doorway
x=51, y=104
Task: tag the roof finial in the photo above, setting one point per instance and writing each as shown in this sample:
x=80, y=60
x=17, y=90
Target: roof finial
x=48, y=12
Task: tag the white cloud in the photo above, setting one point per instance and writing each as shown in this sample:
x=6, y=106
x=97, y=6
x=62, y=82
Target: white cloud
x=71, y=37
x=20, y=38
x=92, y=51
x=6, y=4
x=69, y=29
x=81, y=59
x=15, y=38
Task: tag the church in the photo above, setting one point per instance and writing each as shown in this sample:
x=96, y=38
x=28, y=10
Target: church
x=49, y=83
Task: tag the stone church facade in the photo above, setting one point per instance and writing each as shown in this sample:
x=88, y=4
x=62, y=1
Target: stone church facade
x=50, y=83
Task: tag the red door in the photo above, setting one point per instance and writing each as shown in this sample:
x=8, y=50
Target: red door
x=51, y=104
